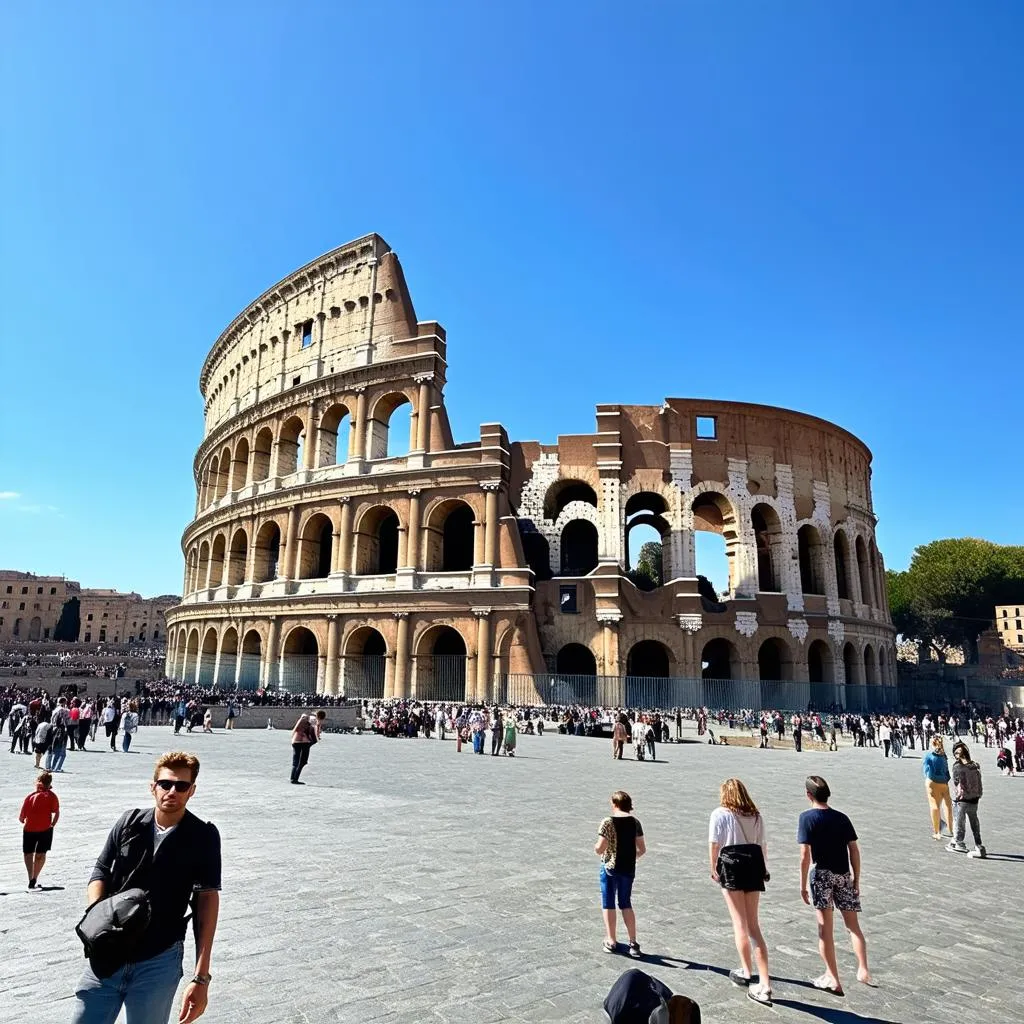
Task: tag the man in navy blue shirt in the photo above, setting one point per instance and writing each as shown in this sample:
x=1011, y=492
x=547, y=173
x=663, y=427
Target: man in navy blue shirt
x=830, y=872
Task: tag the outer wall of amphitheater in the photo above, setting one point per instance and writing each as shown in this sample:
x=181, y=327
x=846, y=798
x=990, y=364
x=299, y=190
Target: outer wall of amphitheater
x=344, y=541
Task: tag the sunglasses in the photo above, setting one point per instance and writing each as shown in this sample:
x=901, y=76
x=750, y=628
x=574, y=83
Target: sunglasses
x=178, y=785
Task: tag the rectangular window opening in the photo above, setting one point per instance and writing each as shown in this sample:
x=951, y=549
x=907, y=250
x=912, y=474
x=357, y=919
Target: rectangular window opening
x=707, y=428
x=307, y=334
x=567, y=599
x=296, y=381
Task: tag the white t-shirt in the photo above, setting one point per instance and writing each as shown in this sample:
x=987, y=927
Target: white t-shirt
x=726, y=828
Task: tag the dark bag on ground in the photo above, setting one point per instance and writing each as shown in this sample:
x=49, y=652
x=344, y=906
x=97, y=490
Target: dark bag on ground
x=637, y=998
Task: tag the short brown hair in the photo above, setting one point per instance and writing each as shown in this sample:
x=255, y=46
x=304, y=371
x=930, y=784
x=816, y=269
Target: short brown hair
x=622, y=800
x=45, y=780
x=321, y=715
x=817, y=788
x=177, y=760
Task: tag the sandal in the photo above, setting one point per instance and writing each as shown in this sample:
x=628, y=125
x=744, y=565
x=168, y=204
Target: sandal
x=760, y=994
x=822, y=985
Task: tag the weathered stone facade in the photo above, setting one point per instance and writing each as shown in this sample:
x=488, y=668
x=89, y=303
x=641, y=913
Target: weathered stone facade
x=30, y=605
x=109, y=616
x=396, y=565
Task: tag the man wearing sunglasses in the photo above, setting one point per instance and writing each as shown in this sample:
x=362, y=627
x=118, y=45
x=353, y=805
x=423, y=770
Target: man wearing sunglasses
x=175, y=857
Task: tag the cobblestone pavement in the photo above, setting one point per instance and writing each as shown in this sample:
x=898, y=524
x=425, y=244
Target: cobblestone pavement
x=406, y=882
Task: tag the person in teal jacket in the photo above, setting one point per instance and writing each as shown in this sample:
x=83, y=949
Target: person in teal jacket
x=935, y=769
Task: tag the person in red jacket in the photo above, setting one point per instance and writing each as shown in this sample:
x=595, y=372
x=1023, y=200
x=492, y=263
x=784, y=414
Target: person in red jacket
x=39, y=814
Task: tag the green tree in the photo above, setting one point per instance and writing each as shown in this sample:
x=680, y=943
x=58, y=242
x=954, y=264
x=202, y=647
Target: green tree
x=648, y=563
x=947, y=595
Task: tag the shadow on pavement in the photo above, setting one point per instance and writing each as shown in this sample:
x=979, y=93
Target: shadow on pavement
x=831, y=1014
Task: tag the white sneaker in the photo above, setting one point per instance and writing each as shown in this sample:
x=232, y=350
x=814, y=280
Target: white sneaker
x=978, y=852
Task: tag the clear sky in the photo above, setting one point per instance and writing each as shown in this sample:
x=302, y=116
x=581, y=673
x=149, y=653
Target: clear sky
x=808, y=204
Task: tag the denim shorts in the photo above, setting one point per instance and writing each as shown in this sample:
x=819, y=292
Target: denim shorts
x=615, y=887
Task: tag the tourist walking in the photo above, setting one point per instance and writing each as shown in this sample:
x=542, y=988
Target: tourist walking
x=650, y=733
x=497, y=728
x=129, y=726
x=174, y=857
x=639, y=739
x=935, y=769
x=60, y=724
x=229, y=722
x=111, y=720
x=619, y=737
x=306, y=732
x=798, y=729
x=74, y=717
x=830, y=880
x=40, y=813
x=85, y=721
x=967, y=791
x=620, y=843
x=885, y=735
x=737, y=845
x=511, y=736
x=40, y=740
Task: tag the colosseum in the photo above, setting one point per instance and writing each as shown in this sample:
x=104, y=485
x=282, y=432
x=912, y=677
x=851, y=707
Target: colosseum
x=335, y=550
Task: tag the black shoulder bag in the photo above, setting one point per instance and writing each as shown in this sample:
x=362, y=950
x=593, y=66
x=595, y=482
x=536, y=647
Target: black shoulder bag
x=111, y=927
x=741, y=866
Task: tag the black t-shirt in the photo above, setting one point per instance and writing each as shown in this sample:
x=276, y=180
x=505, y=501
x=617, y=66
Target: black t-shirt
x=187, y=859
x=621, y=831
x=827, y=832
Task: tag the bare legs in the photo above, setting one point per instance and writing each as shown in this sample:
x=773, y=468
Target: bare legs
x=628, y=919
x=827, y=947
x=34, y=864
x=746, y=931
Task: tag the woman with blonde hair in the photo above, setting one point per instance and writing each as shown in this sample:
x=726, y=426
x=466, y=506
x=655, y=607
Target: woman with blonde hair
x=935, y=769
x=738, y=853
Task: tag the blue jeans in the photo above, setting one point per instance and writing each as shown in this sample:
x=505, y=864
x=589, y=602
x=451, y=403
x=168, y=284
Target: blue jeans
x=55, y=758
x=146, y=990
x=615, y=887
x=126, y=740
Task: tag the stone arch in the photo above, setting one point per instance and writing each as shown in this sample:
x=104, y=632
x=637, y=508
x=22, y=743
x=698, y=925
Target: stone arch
x=811, y=555
x=576, y=660
x=383, y=442
x=191, y=560
x=238, y=557
x=448, y=535
x=440, y=664
x=290, y=440
x=35, y=628
x=864, y=572
x=224, y=477
x=720, y=659
x=365, y=660
x=203, y=564
x=853, y=667
x=251, y=661
x=537, y=553
x=190, y=662
x=212, y=482
x=316, y=547
x=207, y=658
x=870, y=666
x=775, y=660
x=579, y=548
x=649, y=658
x=820, y=662
x=332, y=447
x=648, y=509
x=713, y=512
x=240, y=464
x=262, y=448
x=217, y=550
x=562, y=492
x=267, y=556
x=878, y=572
x=841, y=554
x=227, y=662
x=300, y=659
x=768, y=540
x=375, y=538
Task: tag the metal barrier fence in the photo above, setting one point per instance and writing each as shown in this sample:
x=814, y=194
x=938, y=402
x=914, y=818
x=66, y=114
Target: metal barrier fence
x=362, y=675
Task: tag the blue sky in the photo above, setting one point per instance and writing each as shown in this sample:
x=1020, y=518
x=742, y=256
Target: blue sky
x=815, y=205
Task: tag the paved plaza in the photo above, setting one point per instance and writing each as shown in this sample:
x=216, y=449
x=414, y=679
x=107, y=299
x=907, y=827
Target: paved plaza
x=408, y=883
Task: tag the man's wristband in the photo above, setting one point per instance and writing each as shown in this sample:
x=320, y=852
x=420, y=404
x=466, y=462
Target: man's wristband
x=201, y=979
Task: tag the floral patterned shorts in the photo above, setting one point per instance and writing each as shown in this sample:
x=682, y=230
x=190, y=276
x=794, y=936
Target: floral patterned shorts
x=831, y=891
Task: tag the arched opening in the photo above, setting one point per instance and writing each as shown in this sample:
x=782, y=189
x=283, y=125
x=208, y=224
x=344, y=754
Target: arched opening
x=203, y=566
x=35, y=628
x=249, y=666
x=365, y=661
x=768, y=539
x=715, y=539
x=812, y=566
x=315, y=548
x=819, y=662
x=390, y=428
x=448, y=537
x=289, y=446
x=579, y=548
x=648, y=658
x=268, y=553
x=576, y=660
x=217, y=560
x=240, y=465
x=261, y=450
x=561, y=492
x=774, y=661
x=851, y=668
x=719, y=660
x=870, y=666
x=212, y=480
x=864, y=571
x=841, y=550
x=441, y=665
x=191, y=660
x=376, y=542
x=227, y=664
x=207, y=658
x=299, y=660
x=238, y=558
x=646, y=528
x=224, y=478
x=878, y=574
x=334, y=432
x=538, y=555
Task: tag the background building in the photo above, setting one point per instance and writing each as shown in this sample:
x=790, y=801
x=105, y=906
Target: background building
x=336, y=546
x=107, y=616
x=1010, y=626
x=30, y=605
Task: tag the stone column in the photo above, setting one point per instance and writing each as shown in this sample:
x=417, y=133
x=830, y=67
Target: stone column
x=478, y=544
x=248, y=466
x=209, y=568
x=333, y=642
x=357, y=429
x=690, y=623
x=309, y=448
x=250, y=556
x=491, y=489
x=423, y=411
x=413, y=550
x=483, y=652
x=269, y=666
x=402, y=656
x=610, y=524
x=614, y=685
x=225, y=569
x=291, y=543
x=341, y=556
x=238, y=659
